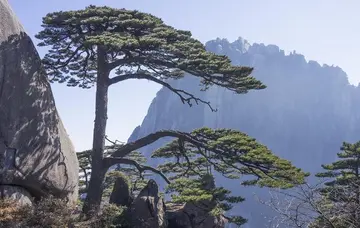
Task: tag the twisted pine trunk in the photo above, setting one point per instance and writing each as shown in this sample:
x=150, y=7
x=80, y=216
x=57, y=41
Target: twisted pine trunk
x=98, y=170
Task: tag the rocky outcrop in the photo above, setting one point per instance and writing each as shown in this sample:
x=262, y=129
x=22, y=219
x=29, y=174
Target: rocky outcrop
x=121, y=194
x=36, y=153
x=306, y=111
x=192, y=215
x=148, y=209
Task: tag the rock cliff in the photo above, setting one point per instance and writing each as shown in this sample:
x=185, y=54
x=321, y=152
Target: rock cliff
x=36, y=153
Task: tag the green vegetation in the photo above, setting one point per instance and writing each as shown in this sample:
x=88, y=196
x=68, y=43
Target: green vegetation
x=341, y=191
x=226, y=152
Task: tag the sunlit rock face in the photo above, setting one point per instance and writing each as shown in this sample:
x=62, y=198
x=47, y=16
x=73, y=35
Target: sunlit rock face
x=303, y=115
x=36, y=153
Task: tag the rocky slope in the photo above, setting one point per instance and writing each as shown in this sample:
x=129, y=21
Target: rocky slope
x=304, y=114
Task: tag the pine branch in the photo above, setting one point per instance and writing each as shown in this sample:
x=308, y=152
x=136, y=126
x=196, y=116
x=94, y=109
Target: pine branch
x=151, y=138
x=185, y=97
x=110, y=161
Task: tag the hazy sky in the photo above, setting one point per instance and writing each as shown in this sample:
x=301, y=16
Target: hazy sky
x=323, y=30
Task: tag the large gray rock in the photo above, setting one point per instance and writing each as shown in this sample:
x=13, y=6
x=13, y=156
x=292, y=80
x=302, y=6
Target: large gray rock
x=192, y=215
x=35, y=150
x=148, y=209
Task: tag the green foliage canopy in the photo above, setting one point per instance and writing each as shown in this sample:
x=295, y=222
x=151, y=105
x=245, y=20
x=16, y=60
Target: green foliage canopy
x=230, y=153
x=341, y=191
x=342, y=177
x=138, y=46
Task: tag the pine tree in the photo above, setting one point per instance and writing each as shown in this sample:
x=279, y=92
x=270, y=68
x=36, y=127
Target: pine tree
x=341, y=191
x=102, y=46
x=227, y=152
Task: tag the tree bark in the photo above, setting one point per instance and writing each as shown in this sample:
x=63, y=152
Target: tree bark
x=98, y=170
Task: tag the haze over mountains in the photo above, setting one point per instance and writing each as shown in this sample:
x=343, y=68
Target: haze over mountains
x=304, y=114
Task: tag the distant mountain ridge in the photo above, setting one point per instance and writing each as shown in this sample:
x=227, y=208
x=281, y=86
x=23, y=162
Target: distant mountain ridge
x=304, y=114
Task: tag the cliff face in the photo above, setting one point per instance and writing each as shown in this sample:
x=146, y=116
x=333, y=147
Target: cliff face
x=303, y=115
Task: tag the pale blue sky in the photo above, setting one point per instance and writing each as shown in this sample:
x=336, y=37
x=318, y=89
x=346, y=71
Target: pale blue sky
x=323, y=30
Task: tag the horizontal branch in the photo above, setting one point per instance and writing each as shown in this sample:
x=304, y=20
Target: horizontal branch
x=110, y=161
x=151, y=138
x=185, y=97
